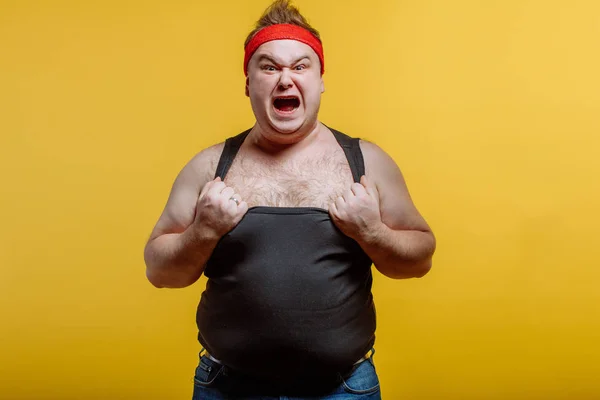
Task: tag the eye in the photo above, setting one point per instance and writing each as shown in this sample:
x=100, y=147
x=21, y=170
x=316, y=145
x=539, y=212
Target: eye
x=268, y=68
x=300, y=67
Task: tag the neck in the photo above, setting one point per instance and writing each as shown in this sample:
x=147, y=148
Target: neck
x=279, y=143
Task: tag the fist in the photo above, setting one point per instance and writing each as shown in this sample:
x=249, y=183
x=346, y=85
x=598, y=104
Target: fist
x=356, y=213
x=219, y=209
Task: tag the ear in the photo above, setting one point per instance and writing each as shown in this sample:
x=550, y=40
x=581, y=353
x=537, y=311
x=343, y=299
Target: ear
x=247, y=90
x=322, y=85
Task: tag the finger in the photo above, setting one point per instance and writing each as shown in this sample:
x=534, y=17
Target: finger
x=358, y=189
x=204, y=190
x=239, y=212
x=333, y=210
x=207, y=187
x=340, y=204
x=369, y=186
x=236, y=199
x=242, y=208
x=348, y=195
x=231, y=207
x=217, y=188
x=341, y=209
x=227, y=193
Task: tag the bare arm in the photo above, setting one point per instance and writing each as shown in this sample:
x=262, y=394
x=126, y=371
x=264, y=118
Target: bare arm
x=401, y=246
x=175, y=256
x=176, y=260
x=197, y=215
x=380, y=215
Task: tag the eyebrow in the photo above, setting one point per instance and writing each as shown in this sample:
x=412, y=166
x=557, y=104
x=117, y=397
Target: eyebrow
x=269, y=58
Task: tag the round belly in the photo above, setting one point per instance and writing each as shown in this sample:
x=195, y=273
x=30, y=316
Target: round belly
x=270, y=341
x=287, y=293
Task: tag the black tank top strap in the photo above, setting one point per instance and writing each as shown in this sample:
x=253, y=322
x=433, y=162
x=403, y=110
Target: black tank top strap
x=351, y=147
x=232, y=146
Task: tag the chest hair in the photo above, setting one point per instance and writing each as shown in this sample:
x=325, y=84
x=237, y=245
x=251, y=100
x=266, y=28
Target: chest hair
x=313, y=181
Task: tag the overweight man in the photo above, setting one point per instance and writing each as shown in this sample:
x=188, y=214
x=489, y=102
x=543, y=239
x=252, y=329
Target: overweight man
x=286, y=220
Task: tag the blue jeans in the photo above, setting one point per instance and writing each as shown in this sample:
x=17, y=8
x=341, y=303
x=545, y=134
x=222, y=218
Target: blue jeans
x=214, y=381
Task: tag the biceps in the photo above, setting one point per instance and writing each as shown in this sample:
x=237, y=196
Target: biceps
x=180, y=210
x=396, y=206
x=399, y=212
x=180, y=214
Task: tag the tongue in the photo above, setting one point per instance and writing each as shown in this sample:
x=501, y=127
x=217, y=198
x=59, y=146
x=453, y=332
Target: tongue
x=286, y=104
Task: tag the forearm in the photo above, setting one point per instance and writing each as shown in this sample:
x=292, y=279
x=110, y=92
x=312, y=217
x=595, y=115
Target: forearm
x=177, y=260
x=399, y=253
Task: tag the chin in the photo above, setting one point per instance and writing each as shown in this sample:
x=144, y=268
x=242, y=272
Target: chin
x=288, y=127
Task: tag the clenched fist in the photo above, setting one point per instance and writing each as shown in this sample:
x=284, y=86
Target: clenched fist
x=356, y=213
x=219, y=209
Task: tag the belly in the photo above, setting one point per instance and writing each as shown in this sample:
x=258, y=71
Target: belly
x=287, y=288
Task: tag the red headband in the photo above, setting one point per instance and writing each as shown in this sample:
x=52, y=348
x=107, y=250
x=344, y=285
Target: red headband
x=283, y=31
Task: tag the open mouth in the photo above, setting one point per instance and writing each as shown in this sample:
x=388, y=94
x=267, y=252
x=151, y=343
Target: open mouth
x=286, y=103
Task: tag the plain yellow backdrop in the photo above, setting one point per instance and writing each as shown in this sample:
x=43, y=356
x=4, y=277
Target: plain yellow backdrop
x=491, y=109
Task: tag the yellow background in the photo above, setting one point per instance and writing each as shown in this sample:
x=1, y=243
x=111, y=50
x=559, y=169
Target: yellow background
x=491, y=109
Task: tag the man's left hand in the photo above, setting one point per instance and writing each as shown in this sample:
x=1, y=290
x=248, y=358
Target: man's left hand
x=357, y=213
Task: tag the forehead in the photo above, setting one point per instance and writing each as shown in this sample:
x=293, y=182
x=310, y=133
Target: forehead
x=285, y=50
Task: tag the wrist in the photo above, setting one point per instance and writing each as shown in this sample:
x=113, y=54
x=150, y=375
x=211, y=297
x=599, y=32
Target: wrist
x=374, y=234
x=199, y=237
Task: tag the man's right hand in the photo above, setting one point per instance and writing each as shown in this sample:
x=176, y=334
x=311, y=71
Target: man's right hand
x=216, y=209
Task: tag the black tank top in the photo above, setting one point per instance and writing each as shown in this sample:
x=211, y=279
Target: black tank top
x=288, y=294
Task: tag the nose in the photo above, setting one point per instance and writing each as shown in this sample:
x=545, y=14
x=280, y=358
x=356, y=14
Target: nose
x=285, y=79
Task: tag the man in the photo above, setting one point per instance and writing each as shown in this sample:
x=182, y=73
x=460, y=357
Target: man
x=285, y=220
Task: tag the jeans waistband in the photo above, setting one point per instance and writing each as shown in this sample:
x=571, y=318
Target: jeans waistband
x=363, y=358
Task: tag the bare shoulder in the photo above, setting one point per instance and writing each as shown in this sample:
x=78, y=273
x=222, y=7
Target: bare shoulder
x=198, y=170
x=204, y=164
x=377, y=161
x=180, y=209
x=396, y=205
x=382, y=169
